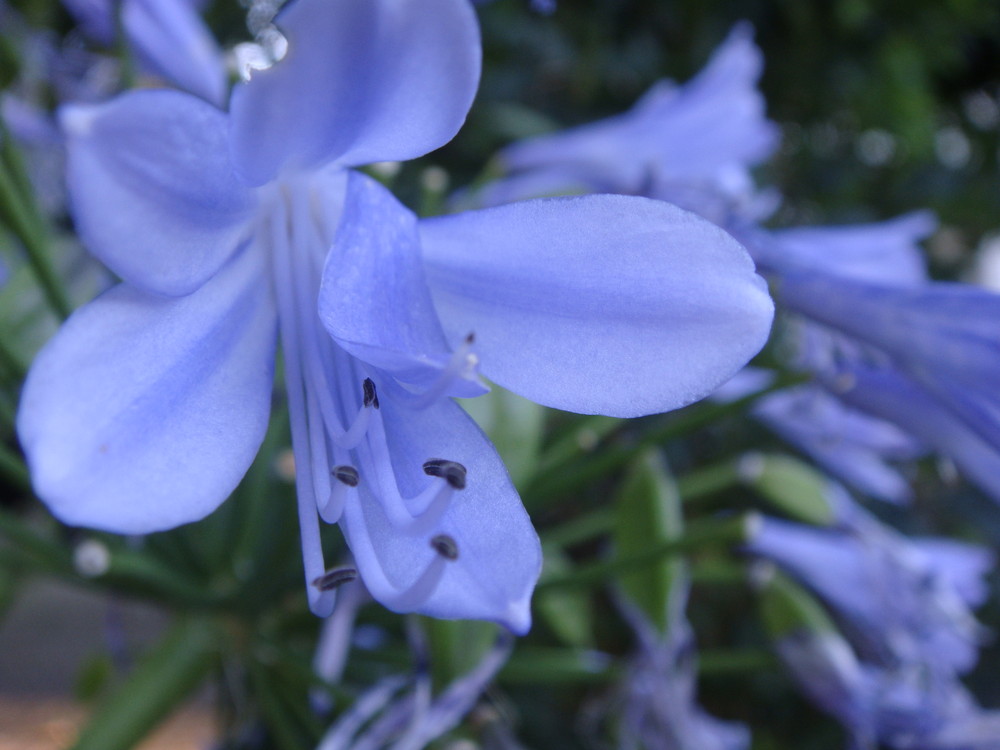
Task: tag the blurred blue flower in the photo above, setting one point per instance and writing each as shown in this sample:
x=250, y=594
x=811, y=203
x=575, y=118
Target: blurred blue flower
x=148, y=407
x=691, y=145
x=898, y=706
x=907, y=601
x=388, y=716
x=167, y=37
x=849, y=444
x=656, y=704
x=925, y=357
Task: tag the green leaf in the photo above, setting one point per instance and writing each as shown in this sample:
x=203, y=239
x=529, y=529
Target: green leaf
x=647, y=514
x=790, y=485
x=456, y=646
x=514, y=424
x=785, y=607
x=166, y=676
x=565, y=610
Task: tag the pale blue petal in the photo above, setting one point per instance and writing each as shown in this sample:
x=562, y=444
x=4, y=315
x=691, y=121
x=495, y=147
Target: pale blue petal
x=599, y=304
x=891, y=396
x=152, y=190
x=499, y=555
x=700, y=131
x=361, y=82
x=881, y=252
x=373, y=297
x=849, y=444
x=938, y=333
x=172, y=41
x=144, y=412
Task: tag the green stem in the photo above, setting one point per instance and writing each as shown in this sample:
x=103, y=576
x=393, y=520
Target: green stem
x=733, y=530
x=12, y=363
x=709, y=480
x=166, y=676
x=13, y=470
x=574, y=475
x=23, y=221
x=692, y=488
x=724, y=661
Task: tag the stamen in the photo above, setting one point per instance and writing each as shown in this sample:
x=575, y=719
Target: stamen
x=445, y=546
x=462, y=365
x=335, y=578
x=346, y=474
x=423, y=588
x=347, y=479
x=450, y=471
x=371, y=395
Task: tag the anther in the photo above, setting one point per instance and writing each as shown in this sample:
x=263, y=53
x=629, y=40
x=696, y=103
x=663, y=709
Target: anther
x=445, y=546
x=335, y=578
x=346, y=475
x=371, y=396
x=450, y=471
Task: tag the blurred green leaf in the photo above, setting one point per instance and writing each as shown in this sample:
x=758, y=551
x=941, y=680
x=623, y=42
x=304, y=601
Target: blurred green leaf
x=790, y=485
x=566, y=611
x=647, y=514
x=166, y=676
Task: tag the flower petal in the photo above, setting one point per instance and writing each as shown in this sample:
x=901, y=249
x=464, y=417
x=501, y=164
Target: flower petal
x=699, y=131
x=154, y=195
x=373, y=298
x=599, y=304
x=361, y=82
x=171, y=40
x=499, y=555
x=144, y=412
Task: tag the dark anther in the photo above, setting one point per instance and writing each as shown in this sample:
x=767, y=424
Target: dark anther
x=346, y=474
x=450, y=471
x=471, y=338
x=445, y=546
x=371, y=396
x=334, y=578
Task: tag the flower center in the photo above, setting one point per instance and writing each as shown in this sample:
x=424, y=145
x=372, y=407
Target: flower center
x=342, y=454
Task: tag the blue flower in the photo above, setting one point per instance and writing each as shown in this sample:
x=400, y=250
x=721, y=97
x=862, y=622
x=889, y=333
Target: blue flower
x=908, y=601
x=849, y=444
x=900, y=707
x=691, y=145
x=167, y=37
x=656, y=702
x=147, y=408
x=925, y=357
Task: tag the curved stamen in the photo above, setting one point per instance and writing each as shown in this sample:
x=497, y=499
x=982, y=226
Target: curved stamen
x=347, y=479
x=451, y=471
x=463, y=365
x=424, y=587
x=335, y=578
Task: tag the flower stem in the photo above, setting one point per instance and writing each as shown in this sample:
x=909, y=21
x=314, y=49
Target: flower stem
x=732, y=530
x=22, y=218
x=574, y=474
x=692, y=488
x=13, y=470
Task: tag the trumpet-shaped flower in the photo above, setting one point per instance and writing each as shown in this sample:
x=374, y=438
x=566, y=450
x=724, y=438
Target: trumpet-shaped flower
x=692, y=145
x=167, y=37
x=147, y=408
x=908, y=600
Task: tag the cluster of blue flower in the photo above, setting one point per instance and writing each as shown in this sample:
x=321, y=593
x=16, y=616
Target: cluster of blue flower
x=235, y=226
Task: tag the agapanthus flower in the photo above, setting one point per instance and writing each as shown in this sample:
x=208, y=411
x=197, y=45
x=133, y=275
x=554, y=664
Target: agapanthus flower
x=402, y=714
x=909, y=601
x=656, y=705
x=146, y=410
x=692, y=145
x=930, y=345
x=167, y=37
x=894, y=705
